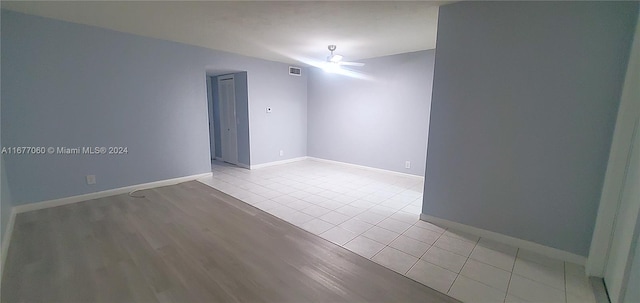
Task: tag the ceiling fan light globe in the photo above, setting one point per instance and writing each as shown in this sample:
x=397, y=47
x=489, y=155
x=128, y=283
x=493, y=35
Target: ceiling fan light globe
x=331, y=67
x=335, y=58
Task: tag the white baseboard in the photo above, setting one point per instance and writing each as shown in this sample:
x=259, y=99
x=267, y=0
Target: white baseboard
x=365, y=167
x=247, y=166
x=257, y=166
x=101, y=194
x=5, y=241
x=508, y=240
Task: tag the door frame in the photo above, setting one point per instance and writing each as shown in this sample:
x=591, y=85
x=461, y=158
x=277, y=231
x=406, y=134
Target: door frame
x=628, y=112
x=623, y=243
x=228, y=121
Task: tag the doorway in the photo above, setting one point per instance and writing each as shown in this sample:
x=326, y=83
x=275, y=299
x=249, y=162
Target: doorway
x=228, y=120
x=228, y=104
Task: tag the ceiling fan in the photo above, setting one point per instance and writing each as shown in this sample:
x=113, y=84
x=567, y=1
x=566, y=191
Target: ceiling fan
x=337, y=59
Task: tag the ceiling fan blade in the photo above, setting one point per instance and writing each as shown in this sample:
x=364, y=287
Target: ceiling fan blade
x=346, y=63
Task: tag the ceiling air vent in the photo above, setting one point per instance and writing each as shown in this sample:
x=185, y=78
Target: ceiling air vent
x=295, y=71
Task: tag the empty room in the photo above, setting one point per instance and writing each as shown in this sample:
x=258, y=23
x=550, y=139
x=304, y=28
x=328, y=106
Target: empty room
x=320, y=151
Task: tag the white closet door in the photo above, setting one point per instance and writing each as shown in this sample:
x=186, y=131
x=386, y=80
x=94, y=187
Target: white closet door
x=228, y=122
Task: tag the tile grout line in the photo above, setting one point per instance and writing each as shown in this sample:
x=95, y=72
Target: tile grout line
x=465, y=262
x=564, y=273
x=410, y=267
x=495, y=267
x=454, y=282
x=469, y=258
x=511, y=273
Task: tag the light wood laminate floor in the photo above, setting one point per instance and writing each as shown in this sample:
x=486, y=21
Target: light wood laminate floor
x=186, y=243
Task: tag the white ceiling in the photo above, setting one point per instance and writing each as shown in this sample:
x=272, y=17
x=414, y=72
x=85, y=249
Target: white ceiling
x=279, y=31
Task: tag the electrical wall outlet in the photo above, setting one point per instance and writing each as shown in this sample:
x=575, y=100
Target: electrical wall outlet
x=91, y=179
x=407, y=164
x=281, y=153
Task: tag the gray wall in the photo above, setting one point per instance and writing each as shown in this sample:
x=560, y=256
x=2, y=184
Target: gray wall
x=379, y=123
x=285, y=128
x=242, y=114
x=525, y=96
x=215, y=108
x=6, y=203
x=5, y=195
x=73, y=85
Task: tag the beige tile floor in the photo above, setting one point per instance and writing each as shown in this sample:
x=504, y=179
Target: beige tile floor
x=376, y=214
